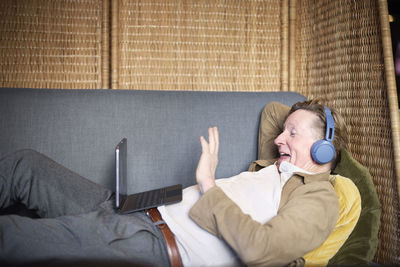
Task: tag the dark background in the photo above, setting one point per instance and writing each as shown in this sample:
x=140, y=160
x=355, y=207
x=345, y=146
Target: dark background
x=394, y=11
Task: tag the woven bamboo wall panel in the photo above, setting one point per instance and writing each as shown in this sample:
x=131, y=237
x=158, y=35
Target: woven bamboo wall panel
x=50, y=44
x=339, y=59
x=224, y=45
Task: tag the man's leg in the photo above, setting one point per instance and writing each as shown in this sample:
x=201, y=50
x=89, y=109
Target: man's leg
x=101, y=236
x=43, y=185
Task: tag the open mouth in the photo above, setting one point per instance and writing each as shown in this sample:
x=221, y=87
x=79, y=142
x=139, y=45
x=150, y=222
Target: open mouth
x=284, y=157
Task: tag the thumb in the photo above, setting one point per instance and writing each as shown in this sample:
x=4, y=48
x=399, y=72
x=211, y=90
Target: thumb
x=204, y=144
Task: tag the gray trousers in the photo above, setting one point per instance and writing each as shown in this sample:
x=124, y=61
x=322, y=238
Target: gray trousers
x=77, y=219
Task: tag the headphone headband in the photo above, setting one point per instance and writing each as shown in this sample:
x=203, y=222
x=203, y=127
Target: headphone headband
x=330, y=125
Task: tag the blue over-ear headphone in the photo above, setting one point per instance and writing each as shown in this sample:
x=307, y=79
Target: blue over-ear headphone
x=323, y=151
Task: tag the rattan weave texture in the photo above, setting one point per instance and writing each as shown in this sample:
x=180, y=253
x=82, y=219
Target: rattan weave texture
x=51, y=44
x=199, y=45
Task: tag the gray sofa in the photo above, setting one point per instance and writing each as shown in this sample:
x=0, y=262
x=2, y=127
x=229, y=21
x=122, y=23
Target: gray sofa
x=80, y=129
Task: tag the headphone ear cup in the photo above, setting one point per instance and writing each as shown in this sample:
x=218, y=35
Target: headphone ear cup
x=323, y=151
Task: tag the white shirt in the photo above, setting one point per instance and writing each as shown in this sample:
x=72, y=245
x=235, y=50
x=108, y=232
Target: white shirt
x=256, y=193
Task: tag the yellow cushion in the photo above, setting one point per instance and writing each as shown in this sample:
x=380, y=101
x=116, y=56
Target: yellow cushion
x=349, y=212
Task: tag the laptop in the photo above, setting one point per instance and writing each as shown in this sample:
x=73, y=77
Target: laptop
x=140, y=201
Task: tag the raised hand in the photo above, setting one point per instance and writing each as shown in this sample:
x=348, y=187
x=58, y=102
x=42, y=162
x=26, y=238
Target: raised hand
x=205, y=173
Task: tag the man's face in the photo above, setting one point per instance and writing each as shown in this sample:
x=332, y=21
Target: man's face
x=294, y=143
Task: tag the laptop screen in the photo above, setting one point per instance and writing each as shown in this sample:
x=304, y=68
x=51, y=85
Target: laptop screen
x=121, y=154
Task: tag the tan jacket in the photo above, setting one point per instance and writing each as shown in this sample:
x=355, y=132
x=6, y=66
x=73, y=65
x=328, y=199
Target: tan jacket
x=307, y=214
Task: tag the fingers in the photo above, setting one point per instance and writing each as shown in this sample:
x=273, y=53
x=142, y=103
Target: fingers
x=211, y=139
x=213, y=145
x=215, y=135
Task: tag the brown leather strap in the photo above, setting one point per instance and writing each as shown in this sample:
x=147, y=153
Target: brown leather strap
x=172, y=248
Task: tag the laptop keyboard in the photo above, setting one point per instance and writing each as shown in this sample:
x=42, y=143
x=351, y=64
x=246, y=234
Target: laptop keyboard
x=148, y=199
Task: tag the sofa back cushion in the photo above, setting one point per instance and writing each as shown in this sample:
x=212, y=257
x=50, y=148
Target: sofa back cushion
x=80, y=129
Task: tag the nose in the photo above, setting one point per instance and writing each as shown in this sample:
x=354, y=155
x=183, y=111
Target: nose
x=279, y=140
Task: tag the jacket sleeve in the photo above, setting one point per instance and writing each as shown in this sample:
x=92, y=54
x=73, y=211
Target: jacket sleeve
x=273, y=117
x=301, y=225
